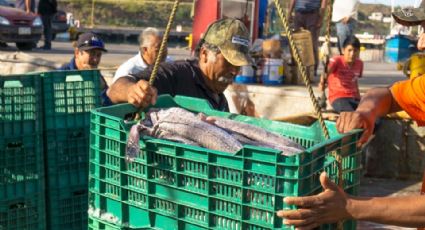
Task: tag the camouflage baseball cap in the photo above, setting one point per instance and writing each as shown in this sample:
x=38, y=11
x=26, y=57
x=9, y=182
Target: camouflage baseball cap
x=409, y=16
x=232, y=38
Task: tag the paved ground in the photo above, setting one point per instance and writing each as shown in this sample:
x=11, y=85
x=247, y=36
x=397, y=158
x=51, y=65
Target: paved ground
x=386, y=187
x=62, y=52
x=375, y=74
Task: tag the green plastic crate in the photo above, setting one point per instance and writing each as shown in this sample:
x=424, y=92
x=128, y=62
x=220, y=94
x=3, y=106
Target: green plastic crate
x=67, y=208
x=21, y=166
x=351, y=175
x=69, y=96
x=97, y=224
x=20, y=105
x=23, y=213
x=67, y=153
x=188, y=187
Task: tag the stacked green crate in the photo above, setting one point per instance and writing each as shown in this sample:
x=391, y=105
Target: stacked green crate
x=68, y=97
x=21, y=153
x=187, y=187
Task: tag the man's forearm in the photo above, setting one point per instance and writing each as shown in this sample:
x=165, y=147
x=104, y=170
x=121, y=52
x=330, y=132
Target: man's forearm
x=291, y=7
x=28, y=5
x=323, y=6
x=378, y=102
x=401, y=211
x=119, y=90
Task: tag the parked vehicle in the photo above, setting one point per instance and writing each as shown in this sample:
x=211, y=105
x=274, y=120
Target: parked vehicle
x=17, y=26
x=59, y=24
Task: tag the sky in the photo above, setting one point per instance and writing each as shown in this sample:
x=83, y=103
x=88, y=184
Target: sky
x=396, y=2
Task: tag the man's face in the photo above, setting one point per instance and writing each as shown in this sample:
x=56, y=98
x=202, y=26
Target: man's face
x=87, y=59
x=150, y=53
x=351, y=53
x=220, y=72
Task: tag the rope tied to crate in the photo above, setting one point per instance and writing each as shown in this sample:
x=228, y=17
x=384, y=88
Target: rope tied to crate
x=307, y=83
x=302, y=69
x=164, y=42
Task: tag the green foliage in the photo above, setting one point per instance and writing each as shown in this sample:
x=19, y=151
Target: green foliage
x=127, y=13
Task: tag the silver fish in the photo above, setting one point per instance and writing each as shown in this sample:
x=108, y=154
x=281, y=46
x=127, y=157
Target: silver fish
x=192, y=128
x=258, y=134
x=175, y=137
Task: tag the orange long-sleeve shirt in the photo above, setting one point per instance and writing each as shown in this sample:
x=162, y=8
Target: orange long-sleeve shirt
x=410, y=95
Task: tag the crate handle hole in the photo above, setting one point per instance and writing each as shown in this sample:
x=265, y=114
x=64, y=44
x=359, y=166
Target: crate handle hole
x=13, y=84
x=80, y=192
x=13, y=145
x=18, y=205
x=76, y=134
x=71, y=78
x=131, y=116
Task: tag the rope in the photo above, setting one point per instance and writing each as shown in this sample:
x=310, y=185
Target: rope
x=328, y=24
x=164, y=42
x=338, y=158
x=302, y=69
x=307, y=82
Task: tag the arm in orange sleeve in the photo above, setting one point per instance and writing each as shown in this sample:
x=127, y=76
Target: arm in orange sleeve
x=410, y=95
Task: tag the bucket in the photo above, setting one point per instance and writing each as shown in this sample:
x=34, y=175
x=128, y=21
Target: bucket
x=272, y=73
x=399, y=48
x=246, y=75
x=415, y=65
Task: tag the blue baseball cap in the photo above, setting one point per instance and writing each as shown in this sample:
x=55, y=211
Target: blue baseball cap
x=89, y=40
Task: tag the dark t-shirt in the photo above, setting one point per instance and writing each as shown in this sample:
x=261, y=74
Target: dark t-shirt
x=183, y=78
x=47, y=7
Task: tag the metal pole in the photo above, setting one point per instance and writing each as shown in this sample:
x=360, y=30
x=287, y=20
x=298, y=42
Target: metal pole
x=392, y=20
x=92, y=14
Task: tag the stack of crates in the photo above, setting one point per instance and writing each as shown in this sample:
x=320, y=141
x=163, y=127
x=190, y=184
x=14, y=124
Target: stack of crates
x=176, y=186
x=68, y=97
x=22, y=201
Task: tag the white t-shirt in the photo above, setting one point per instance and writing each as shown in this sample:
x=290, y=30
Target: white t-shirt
x=132, y=66
x=344, y=8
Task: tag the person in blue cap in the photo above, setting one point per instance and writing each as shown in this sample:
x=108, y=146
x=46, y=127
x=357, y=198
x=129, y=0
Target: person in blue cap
x=88, y=50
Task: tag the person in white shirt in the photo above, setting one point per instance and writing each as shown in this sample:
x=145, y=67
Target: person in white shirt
x=150, y=42
x=344, y=15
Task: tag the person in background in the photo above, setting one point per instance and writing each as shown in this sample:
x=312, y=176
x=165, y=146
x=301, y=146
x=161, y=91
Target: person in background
x=47, y=9
x=221, y=52
x=344, y=15
x=88, y=51
x=309, y=15
x=333, y=204
x=344, y=71
x=150, y=43
x=26, y=5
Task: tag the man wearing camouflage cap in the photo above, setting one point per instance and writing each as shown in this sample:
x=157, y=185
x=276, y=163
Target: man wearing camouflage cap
x=220, y=53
